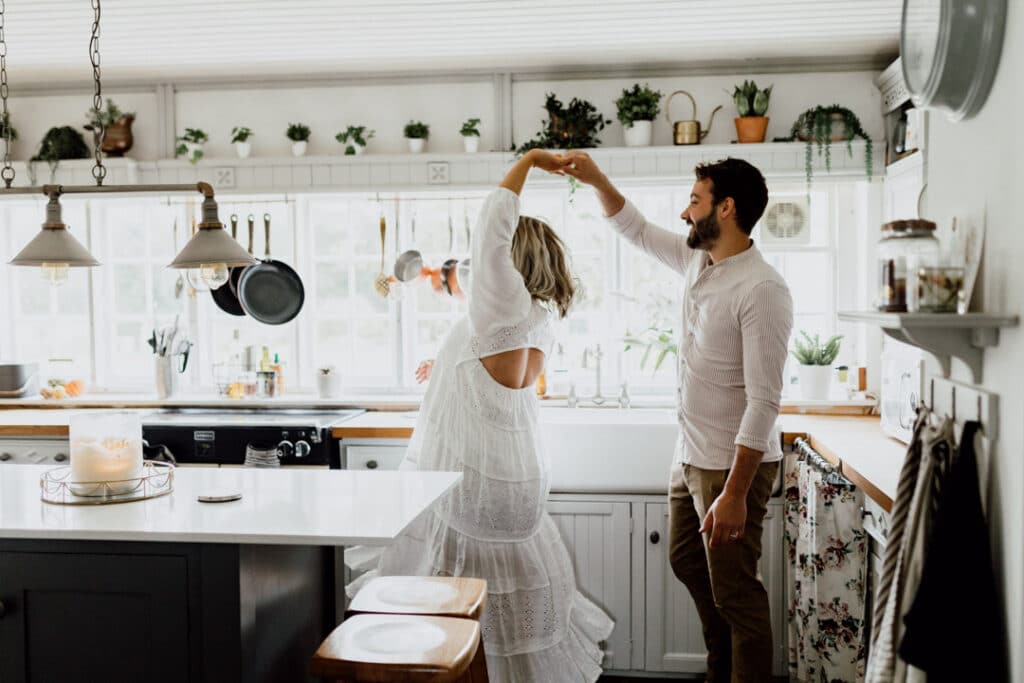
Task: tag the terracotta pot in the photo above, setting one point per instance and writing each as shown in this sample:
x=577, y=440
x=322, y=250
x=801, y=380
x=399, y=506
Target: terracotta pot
x=751, y=128
x=118, y=138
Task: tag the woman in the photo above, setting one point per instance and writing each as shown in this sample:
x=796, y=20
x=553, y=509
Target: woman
x=479, y=416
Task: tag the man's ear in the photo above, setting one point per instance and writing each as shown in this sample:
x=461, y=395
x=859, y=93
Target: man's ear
x=726, y=208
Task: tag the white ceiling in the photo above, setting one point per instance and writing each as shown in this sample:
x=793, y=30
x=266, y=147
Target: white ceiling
x=246, y=39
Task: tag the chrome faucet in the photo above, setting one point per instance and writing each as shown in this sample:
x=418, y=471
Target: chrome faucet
x=597, y=355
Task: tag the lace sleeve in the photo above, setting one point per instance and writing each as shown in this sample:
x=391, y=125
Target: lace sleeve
x=498, y=297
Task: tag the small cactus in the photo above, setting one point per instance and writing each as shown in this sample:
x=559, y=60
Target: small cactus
x=749, y=100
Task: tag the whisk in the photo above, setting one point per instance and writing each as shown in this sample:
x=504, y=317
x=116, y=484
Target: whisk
x=381, y=284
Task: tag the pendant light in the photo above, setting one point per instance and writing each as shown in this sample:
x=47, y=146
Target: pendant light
x=211, y=250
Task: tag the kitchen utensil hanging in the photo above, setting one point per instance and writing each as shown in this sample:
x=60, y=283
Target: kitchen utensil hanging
x=271, y=291
x=381, y=282
x=226, y=296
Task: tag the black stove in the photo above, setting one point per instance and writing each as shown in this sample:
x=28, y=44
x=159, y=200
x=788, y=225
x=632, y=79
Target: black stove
x=220, y=437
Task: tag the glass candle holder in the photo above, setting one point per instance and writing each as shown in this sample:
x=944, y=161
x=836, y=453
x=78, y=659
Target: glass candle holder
x=939, y=288
x=106, y=453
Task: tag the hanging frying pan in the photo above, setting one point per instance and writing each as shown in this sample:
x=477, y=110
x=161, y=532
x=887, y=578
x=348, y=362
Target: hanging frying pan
x=225, y=296
x=271, y=291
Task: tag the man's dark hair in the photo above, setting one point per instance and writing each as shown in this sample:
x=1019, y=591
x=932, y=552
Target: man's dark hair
x=743, y=182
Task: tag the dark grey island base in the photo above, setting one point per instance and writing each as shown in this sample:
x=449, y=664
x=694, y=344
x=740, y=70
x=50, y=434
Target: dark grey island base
x=117, y=611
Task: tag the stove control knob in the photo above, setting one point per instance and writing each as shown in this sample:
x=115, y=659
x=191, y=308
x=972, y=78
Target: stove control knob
x=285, y=449
x=302, y=448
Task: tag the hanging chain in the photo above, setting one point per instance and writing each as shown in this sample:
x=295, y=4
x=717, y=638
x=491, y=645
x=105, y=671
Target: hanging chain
x=8, y=171
x=99, y=172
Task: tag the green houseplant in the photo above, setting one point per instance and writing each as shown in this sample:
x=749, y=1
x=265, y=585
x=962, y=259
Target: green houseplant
x=572, y=126
x=299, y=134
x=191, y=144
x=815, y=358
x=111, y=128
x=637, y=109
x=751, y=107
x=6, y=128
x=240, y=139
x=416, y=132
x=60, y=142
x=655, y=341
x=355, y=139
x=470, y=133
x=822, y=126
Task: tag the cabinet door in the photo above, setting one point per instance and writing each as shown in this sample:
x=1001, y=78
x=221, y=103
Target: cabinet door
x=374, y=457
x=674, y=637
x=597, y=535
x=70, y=617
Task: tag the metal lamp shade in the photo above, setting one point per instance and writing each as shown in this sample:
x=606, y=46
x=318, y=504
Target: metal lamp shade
x=52, y=246
x=212, y=245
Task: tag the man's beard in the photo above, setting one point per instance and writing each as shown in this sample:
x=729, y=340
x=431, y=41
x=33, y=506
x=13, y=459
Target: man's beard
x=704, y=233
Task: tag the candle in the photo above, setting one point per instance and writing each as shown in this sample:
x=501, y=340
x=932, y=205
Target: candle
x=106, y=449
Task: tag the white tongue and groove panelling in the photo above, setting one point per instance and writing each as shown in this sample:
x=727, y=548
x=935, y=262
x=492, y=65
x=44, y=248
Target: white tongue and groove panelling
x=778, y=161
x=200, y=39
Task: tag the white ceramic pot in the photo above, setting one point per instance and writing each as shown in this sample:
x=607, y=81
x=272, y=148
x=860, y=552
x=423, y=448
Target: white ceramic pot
x=815, y=381
x=299, y=148
x=416, y=145
x=471, y=143
x=328, y=386
x=639, y=134
x=243, y=149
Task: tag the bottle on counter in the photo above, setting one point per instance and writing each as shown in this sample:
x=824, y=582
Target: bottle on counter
x=542, y=385
x=265, y=360
x=559, y=375
x=278, y=376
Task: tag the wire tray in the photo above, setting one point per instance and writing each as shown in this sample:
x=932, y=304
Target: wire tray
x=57, y=488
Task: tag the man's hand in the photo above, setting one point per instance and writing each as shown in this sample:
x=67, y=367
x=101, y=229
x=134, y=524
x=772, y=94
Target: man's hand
x=424, y=370
x=581, y=167
x=725, y=519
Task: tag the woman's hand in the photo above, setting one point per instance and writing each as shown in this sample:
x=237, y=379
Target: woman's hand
x=546, y=161
x=423, y=371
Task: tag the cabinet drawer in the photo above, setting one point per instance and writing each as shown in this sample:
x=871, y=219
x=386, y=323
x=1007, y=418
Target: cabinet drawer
x=374, y=457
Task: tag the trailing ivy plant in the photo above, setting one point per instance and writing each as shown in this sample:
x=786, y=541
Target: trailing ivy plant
x=195, y=137
x=815, y=126
x=811, y=351
x=638, y=103
x=568, y=127
x=359, y=135
x=6, y=127
x=60, y=142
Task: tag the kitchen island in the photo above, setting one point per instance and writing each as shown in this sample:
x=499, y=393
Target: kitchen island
x=172, y=589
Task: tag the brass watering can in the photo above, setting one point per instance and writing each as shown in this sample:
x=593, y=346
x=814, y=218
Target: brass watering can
x=688, y=132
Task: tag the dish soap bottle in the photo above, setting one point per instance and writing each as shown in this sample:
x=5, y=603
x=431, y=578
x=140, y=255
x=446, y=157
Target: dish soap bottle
x=278, y=376
x=559, y=375
x=542, y=385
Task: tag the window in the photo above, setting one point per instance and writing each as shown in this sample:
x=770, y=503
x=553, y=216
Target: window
x=102, y=318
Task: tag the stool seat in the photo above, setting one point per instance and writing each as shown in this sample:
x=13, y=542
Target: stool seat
x=398, y=647
x=446, y=596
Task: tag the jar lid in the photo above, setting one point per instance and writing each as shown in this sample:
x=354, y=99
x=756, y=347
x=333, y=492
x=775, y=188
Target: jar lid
x=908, y=225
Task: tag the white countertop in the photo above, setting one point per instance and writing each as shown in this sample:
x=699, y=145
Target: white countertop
x=288, y=506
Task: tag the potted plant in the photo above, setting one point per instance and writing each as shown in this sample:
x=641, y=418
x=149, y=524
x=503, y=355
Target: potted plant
x=822, y=126
x=240, y=139
x=654, y=339
x=111, y=129
x=191, y=144
x=63, y=142
x=355, y=139
x=416, y=132
x=638, y=107
x=751, y=106
x=470, y=133
x=7, y=129
x=815, y=360
x=298, y=133
x=568, y=127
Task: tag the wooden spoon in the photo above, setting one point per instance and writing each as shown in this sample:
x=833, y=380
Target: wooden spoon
x=381, y=284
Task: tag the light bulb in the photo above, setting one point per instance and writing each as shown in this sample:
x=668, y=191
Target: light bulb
x=55, y=273
x=214, y=274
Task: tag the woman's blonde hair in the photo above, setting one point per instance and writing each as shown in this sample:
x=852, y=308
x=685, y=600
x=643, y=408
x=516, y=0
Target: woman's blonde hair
x=539, y=255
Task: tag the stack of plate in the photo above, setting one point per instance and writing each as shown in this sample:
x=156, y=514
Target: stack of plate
x=18, y=380
x=262, y=455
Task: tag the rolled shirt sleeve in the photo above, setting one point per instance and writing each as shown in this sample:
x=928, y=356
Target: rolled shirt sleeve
x=766, y=319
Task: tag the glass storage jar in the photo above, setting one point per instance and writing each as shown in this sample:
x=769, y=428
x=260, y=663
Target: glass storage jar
x=905, y=246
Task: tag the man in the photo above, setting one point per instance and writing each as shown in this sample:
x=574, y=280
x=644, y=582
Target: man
x=737, y=316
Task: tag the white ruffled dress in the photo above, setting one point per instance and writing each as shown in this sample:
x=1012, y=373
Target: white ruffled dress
x=536, y=626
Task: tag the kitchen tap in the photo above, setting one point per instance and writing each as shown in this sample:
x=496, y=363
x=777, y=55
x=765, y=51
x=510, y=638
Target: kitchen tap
x=597, y=355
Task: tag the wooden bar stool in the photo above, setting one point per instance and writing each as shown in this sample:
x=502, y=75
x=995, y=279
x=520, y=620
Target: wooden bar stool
x=441, y=596
x=401, y=648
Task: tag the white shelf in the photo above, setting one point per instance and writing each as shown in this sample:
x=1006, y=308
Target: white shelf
x=944, y=335
x=394, y=172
